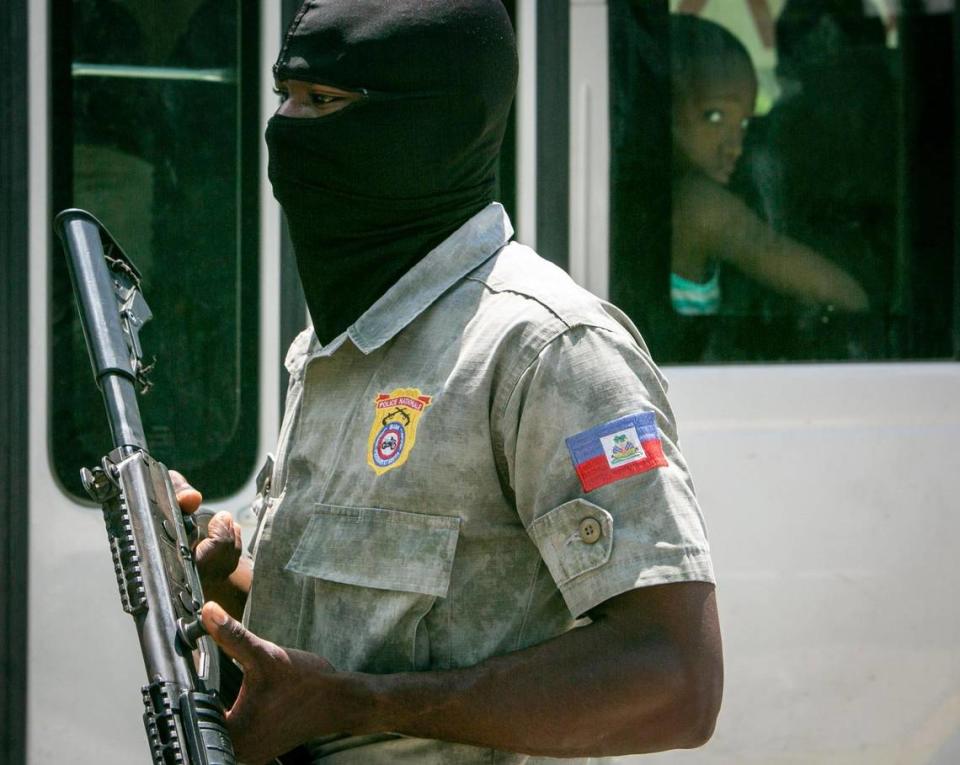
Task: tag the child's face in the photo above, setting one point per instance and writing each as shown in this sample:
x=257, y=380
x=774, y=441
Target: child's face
x=709, y=123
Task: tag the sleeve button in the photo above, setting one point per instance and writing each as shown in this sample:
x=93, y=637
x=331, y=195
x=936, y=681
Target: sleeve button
x=590, y=530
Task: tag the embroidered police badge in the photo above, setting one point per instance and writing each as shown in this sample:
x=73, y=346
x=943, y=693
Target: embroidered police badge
x=394, y=429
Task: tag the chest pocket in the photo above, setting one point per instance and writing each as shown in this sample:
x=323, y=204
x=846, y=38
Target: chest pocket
x=373, y=575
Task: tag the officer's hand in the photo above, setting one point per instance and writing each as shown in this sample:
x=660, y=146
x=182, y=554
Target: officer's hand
x=218, y=553
x=282, y=695
x=188, y=497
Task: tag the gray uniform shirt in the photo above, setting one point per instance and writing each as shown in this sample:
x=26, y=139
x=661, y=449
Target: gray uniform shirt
x=483, y=457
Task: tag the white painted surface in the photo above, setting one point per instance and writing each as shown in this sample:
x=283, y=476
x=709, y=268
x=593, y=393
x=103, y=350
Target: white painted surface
x=830, y=494
x=526, y=111
x=589, y=146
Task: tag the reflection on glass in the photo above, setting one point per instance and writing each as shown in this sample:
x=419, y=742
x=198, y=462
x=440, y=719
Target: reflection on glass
x=714, y=89
x=819, y=228
x=146, y=111
x=821, y=166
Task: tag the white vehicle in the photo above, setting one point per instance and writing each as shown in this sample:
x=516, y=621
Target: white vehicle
x=823, y=445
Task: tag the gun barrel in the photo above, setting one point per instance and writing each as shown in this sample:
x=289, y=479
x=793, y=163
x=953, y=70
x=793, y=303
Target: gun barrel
x=96, y=300
x=157, y=577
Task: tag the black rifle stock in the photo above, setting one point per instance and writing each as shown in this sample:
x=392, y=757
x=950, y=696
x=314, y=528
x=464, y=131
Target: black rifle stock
x=149, y=537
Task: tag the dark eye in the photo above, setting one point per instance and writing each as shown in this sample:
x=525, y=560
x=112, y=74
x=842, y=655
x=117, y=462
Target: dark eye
x=322, y=99
x=281, y=94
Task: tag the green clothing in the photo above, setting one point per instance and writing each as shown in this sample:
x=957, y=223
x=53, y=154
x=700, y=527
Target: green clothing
x=690, y=298
x=425, y=510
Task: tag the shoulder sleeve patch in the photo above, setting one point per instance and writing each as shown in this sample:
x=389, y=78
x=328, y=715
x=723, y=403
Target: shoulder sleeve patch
x=616, y=450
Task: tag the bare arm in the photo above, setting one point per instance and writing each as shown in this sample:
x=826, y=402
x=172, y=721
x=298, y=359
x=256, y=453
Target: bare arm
x=645, y=676
x=709, y=221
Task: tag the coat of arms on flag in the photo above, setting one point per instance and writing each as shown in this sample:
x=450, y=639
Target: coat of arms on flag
x=616, y=449
x=394, y=429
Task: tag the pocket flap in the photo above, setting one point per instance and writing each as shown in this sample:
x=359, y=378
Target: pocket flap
x=574, y=538
x=384, y=549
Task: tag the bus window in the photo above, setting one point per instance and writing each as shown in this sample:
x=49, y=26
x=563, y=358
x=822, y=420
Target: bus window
x=156, y=134
x=507, y=171
x=782, y=180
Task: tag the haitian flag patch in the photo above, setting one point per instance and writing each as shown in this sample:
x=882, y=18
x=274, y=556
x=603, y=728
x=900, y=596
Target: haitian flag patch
x=617, y=449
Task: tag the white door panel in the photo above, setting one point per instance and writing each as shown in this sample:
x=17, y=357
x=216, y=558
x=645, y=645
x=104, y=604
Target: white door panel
x=85, y=669
x=830, y=497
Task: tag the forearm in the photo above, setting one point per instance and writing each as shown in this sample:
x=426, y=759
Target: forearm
x=646, y=675
x=812, y=277
x=796, y=270
x=593, y=691
x=740, y=238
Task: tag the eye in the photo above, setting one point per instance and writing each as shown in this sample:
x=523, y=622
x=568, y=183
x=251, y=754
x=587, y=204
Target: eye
x=317, y=99
x=713, y=116
x=744, y=123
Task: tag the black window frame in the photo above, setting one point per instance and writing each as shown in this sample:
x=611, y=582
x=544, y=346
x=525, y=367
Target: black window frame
x=14, y=378
x=928, y=206
x=238, y=457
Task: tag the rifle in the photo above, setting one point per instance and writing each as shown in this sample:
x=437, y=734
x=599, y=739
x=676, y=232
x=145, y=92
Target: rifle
x=149, y=536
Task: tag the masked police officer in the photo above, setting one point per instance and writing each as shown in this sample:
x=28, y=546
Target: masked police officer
x=477, y=456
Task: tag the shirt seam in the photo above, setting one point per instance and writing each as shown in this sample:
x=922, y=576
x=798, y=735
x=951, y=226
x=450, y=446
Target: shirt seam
x=691, y=570
x=507, y=290
x=690, y=552
x=567, y=328
x=536, y=357
x=501, y=411
x=495, y=429
x=531, y=589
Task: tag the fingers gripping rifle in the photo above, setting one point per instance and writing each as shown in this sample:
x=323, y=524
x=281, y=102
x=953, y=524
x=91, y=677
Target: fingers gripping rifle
x=149, y=537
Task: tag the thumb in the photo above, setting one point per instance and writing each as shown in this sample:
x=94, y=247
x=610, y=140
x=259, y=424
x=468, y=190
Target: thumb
x=188, y=497
x=235, y=639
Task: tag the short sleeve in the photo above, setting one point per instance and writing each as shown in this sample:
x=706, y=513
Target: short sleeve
x=599, y=482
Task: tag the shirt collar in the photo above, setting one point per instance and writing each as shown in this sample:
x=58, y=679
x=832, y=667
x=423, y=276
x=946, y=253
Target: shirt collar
x=463, y=251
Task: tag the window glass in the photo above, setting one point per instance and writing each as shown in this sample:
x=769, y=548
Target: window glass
x=782, y=179
x=156, y=133
x=507, y=170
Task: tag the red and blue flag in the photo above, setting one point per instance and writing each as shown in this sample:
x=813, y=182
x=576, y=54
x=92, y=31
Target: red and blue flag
x=617, y=449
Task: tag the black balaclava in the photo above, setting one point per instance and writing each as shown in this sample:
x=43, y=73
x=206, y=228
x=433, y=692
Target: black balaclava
x=371, y=189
